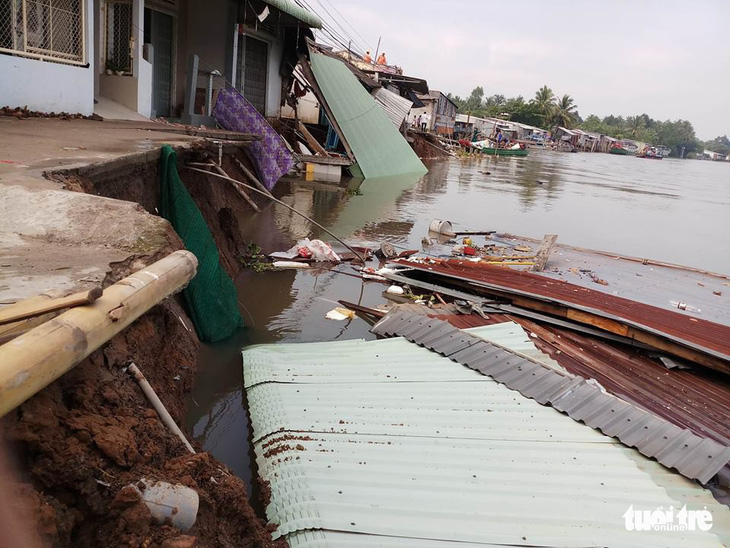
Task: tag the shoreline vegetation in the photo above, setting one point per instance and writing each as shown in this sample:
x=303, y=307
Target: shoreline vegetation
x=549, y=111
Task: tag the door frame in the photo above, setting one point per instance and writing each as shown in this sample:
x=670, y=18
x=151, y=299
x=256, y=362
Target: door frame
x=239, y=42
x=154, y=6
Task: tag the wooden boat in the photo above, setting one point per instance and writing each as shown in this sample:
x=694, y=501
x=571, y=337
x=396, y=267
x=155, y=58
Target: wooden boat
x=621, y=151
x=504, y=151
x=650, y=156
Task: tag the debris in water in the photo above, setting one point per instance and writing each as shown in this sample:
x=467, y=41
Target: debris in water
x=340, y=313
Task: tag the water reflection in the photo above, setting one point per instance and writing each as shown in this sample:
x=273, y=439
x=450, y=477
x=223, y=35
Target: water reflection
x=671, y=210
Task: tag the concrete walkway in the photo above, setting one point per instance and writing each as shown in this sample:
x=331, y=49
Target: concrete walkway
x=51, y=238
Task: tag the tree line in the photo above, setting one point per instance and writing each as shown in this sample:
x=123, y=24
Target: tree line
x=548, y=111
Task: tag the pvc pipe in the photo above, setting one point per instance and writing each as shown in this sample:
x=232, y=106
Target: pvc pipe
x=35, y=359
x=158, y=405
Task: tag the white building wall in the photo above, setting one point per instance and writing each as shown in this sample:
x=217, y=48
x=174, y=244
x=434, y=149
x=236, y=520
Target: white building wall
x=50, y=87
x=273, y=85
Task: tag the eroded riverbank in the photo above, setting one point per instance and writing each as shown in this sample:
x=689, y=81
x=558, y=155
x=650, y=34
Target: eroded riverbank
x=673, y=211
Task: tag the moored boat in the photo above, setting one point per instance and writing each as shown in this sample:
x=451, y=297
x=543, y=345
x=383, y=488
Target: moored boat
x=505, y=151
x=619, y=150
x=650, y=153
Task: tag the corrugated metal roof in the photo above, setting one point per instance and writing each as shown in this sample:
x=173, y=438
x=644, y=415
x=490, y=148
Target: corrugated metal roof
x=379, y=149
x=698, y=334
x=692, y=399
x=441, y=454
x=396, y=108
x=305, y=16
x=582, y=400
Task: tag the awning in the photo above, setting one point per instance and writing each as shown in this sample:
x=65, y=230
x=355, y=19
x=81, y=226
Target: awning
x=290, y=8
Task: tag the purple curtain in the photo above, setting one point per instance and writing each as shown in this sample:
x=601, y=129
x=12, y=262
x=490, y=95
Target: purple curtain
x=269, y=154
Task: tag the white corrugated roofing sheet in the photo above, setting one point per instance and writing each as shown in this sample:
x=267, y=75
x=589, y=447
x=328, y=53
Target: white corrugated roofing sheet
x=396, y=108
x=384, y=443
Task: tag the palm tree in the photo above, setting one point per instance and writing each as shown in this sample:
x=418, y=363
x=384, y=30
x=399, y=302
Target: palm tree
x=565, y=112
x=545, y=102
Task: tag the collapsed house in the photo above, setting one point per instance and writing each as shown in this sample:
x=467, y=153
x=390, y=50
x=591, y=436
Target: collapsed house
x=392, y=441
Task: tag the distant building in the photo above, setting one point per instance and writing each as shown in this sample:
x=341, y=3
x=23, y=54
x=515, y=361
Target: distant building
x=441, y=111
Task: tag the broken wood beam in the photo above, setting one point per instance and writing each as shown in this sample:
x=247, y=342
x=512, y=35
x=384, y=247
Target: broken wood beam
x=37, y=358
x=39, y=305
x=248, y=173
x=311, y=141
x=543, y=253
x=238, y=188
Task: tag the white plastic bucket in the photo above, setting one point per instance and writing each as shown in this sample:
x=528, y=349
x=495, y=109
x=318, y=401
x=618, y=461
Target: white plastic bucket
x=441, y=227
x=168, y=503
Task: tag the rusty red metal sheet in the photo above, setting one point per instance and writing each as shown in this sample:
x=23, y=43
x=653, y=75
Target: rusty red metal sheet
x=695, y=333
x=692, y=399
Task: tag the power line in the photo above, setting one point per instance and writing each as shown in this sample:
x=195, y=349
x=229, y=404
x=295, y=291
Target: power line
x=348, y=23
x=344, y=30
x=335, y=38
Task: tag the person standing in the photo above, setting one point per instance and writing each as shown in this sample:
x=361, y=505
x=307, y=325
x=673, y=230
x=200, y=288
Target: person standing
x=424, y=122
x=500, y=138
x=367, y=57
x=382, y=60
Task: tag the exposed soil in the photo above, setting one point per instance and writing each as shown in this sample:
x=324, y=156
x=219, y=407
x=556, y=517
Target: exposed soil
x=92, y=433
x=80, y=442
x=23, y=112
x=427, y=147
x=137, y=180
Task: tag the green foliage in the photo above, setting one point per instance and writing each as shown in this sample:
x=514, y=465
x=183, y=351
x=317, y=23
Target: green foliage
x=720, y=145
x=676, y=135
x=548, y=111
x=564, y=113
x=544, y=102
x=252, y=257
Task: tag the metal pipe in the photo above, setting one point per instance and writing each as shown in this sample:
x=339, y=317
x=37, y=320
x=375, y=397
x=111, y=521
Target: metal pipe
x=270, y=197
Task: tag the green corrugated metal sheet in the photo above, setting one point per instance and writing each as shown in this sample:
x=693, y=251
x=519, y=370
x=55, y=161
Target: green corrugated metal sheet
x=379, y=149
x=385, y=443
x=292, y=9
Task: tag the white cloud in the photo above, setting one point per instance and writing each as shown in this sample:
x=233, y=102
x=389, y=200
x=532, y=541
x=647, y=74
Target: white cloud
x=667, y=58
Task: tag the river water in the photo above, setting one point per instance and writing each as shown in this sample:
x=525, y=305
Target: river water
x=670, y=210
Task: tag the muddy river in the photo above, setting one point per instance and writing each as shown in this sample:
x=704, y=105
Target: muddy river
x=670, y=210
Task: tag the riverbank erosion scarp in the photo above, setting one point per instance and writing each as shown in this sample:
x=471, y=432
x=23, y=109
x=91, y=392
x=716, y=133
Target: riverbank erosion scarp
x=78, y=443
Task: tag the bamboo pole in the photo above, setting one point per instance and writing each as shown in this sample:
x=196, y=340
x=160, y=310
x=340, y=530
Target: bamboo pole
x=37, y=358
x=36, y=307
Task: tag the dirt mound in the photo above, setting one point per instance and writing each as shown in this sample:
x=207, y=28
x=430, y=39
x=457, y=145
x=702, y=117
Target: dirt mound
x=90, y=434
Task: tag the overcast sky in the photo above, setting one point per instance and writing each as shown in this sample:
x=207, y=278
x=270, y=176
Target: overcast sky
x=668, y=58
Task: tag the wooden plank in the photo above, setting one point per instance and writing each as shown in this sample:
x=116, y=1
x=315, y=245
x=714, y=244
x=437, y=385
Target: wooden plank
x=238, y=188
x=543, y=253
x=248, y=173
x=311, y=141
x=35, y=307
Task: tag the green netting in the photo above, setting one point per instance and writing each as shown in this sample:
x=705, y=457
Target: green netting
x=210, y=297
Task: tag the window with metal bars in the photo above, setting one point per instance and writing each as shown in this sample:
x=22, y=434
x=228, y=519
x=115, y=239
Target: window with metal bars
x=51, y=30
x=118, y=36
